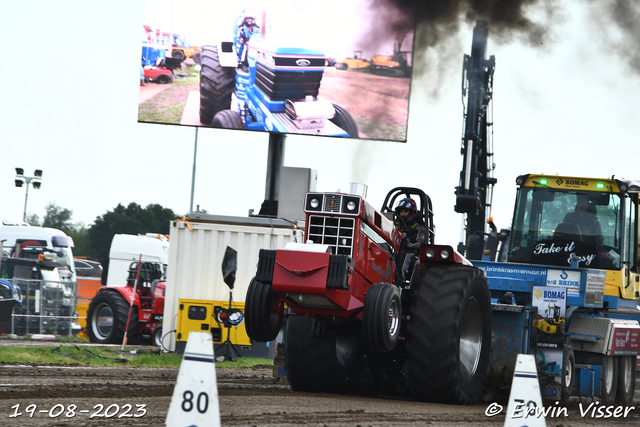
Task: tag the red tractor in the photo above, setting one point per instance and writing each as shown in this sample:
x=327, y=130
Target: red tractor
x=111, y=308
x=345, y=302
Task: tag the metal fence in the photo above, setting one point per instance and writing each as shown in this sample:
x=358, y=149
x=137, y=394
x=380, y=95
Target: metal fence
x=47, y=307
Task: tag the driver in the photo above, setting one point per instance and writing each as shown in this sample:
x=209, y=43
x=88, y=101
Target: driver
x=584, y=217
x=411, y=227
x=245, y=31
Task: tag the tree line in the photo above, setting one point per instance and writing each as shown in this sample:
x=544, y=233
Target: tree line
x=93, y=241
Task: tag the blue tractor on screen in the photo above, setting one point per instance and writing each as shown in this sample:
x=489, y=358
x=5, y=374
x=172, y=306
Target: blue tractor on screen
x=249, y=83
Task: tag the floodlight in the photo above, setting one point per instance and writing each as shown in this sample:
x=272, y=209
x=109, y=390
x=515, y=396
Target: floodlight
x=36, y=184
x=19, y=182
x=38, y=172
x=19, y=171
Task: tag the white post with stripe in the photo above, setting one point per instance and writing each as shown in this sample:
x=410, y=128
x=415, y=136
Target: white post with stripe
x=195, y=397
x=525, y=401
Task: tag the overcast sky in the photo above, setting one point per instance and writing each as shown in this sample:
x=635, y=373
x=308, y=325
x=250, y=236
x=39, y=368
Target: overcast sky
x=68, y=106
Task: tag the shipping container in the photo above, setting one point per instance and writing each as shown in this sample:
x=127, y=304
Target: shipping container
x=195, y=266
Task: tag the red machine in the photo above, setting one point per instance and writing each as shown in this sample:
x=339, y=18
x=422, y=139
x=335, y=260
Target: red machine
x=162, y=71
x=426, y=332
x=139, y=304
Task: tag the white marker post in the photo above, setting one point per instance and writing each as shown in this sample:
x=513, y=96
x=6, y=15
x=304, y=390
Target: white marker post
x=525, y=401
x=195, y=397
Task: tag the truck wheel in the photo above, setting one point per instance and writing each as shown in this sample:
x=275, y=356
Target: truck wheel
x=344, y=121
x=197, y=58
x=157, y=336
x=381, y=317
x=568, y=372
x=216, y=85
x=626, y=380
x=330, y=364
x=227, y=119
x=178, y=54
x=107, y=319
x=609, y=379
x=449, y=334
x=261, y=317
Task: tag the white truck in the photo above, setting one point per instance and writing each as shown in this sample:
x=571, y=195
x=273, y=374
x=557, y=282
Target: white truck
x=128, y=248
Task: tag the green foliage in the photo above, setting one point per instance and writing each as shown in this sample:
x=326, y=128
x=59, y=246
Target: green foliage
x=72, y=354
x=81, y=241
x=58, y=217
x=132, y=219
x=168, y=105
x=32, y=219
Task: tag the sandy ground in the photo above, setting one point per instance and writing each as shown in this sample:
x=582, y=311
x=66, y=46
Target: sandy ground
x=247, y=397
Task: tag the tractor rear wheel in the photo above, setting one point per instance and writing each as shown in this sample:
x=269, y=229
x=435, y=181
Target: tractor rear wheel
x=227, y=119
x=331, y=363
x=344, y=121
x=216, y=85
x=261, y=318
x=381, y=317
x=449, y=334
x=107, y=319
x=626, y=380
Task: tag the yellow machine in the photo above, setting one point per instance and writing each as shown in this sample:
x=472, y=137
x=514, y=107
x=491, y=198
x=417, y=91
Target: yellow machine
x=355, y=63
x=208, y=315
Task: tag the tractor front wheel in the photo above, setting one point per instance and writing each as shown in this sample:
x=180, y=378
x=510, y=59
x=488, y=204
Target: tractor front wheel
x=329, y=362
x=261, y=316
x=227, y=119
x=381, y=317
x=449, y=334
x=107, y=318
x=344, y=121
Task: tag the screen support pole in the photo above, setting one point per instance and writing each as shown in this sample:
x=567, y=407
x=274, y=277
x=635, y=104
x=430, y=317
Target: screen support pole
x=193, y=173
x=275, y=161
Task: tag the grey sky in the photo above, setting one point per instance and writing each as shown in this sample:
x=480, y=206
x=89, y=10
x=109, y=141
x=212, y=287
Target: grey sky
x=68, y=106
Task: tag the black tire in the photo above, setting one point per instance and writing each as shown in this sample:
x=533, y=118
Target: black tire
x=381, y=317
x=178, y=54
x=344, y=121
x=197, y=58
x=227, y=119
x=568, y=372
x=626, y=380
x=216, y=85
x=261, y=320
x=111, y=304
x=330, y=364
x=609, y=385
x=449, y=334
x=163, y=79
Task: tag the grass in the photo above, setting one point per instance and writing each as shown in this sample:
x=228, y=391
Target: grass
x=71, y=354
x=168, y=105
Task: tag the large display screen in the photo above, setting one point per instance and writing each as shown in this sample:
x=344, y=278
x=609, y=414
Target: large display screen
x=331, y=68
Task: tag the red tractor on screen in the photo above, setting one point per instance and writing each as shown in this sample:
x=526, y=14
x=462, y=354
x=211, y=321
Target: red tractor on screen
x=426, y=332
x=111, y=311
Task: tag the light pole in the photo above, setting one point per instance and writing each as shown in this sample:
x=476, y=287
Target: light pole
x=21, y=179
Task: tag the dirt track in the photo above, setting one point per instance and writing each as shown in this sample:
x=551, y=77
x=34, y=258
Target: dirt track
x=247, y=397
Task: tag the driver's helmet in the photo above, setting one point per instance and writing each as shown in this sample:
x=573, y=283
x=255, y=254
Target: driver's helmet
x=408, y=203
x=249, y=18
